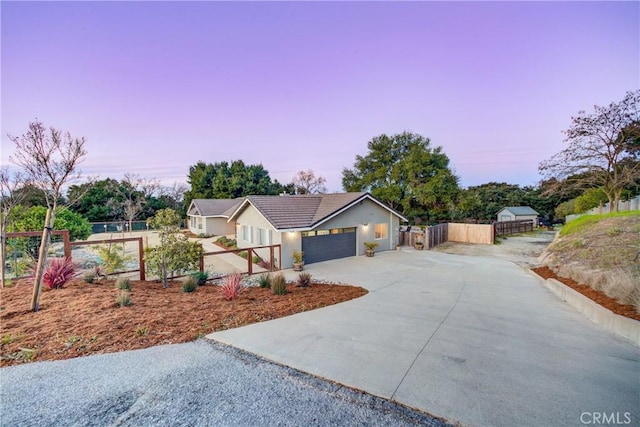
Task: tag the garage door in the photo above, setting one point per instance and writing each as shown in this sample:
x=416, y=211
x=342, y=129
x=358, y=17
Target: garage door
x=323, y=245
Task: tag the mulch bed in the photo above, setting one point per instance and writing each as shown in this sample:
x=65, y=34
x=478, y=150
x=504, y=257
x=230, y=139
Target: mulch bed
x=597, y=296
x=83, y=319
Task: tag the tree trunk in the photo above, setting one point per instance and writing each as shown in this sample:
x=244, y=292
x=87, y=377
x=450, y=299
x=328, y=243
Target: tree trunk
x=3, y=249
x=165, y=282
x=42, y=259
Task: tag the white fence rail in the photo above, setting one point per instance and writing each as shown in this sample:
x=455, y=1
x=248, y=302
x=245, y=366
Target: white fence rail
x=627, y=205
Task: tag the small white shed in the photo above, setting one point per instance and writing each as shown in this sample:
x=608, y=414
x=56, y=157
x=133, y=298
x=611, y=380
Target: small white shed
x=518, y=213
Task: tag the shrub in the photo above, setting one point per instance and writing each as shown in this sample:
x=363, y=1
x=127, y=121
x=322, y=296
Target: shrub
x=175, y=256
x=190, y=284
x=124, y=298
x=123, y=284
x=297, y=257
x=278, y=284
x=226, y=242
x=304, y=279
x=59, y=272
x=200, y=277
x=231, y=286
x=89, y=277
x=113, y=257
x=371, y=245
x=264, y=280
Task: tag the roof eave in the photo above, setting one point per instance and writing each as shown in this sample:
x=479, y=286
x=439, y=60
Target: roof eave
x=350, y=205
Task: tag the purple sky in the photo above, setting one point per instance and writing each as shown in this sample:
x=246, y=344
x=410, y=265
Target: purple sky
x=156, y=87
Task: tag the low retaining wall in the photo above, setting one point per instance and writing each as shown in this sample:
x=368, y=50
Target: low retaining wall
x=619, y=325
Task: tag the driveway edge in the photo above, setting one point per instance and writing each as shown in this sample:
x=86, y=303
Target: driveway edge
x=335, y=388
x=622, y=326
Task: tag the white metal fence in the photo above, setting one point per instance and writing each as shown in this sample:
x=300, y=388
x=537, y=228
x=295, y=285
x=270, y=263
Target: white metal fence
x=623, y=206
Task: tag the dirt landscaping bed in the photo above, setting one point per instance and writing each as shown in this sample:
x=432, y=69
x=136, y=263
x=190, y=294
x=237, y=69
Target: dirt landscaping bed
x=83, y=319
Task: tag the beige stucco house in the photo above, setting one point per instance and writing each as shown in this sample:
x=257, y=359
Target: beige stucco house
x=210, y=217
x=322, y=226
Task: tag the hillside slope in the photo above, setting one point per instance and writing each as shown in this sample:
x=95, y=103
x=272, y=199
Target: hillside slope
x=601, y=251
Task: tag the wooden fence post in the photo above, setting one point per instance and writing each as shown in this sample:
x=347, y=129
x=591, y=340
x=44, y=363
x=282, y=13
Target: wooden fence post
x=141, y=258
x=67, y=244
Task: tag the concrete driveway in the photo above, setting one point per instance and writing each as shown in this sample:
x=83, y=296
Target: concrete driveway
x=474, y=339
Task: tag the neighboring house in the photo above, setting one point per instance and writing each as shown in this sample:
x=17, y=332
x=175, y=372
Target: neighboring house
x=322, y=226
x=517, y=213
x=211, y=216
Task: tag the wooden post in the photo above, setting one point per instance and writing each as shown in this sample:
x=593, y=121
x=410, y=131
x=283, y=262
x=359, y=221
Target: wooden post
x=280, y=258
x=250, y=261
x=271, y=259
x=141, y=258
x=42, y=258
x=67, y=245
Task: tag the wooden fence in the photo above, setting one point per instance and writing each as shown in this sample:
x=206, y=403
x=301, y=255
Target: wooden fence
x=436, y=235
x=141, y=268
x=63, y=233
x=234, y=262
x=471, y=233
x=513, y=227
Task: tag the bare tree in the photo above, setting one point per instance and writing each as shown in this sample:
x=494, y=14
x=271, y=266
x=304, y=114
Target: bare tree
x=174, y=195
x=135, y=191
x=603, y=149
x=49, y=158
x=306, y=182
x=10, y=196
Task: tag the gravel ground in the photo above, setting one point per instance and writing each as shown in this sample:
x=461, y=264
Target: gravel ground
x=523, y=249
x=194, y=384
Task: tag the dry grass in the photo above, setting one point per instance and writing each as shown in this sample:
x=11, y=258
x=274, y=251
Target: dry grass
x=604, y=254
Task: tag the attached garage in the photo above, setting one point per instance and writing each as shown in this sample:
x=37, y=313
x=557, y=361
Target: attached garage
x=324, y=245
x=322, y=226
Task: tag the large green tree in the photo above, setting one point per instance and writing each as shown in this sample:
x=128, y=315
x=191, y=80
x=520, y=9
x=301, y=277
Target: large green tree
x=108, y=200
x=33, y=219
x=483, y=202
x=225, y=180
x=603, y=149
x=407, y=173
x=97, y=201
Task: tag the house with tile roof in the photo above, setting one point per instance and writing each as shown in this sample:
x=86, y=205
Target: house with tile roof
x=517, y=213
x=322, y=226
x=210, y=217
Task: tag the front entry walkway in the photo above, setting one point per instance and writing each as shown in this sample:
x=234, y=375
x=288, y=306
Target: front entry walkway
x=473, y=339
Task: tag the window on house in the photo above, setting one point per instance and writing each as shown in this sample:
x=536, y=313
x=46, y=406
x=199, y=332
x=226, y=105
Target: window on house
x=381, y=231
x=264, y=237
x=245, y=233
x=193, y=222
x=199, y=222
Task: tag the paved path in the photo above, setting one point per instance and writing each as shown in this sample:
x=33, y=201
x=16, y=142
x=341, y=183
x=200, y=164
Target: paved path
x=473, y=339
